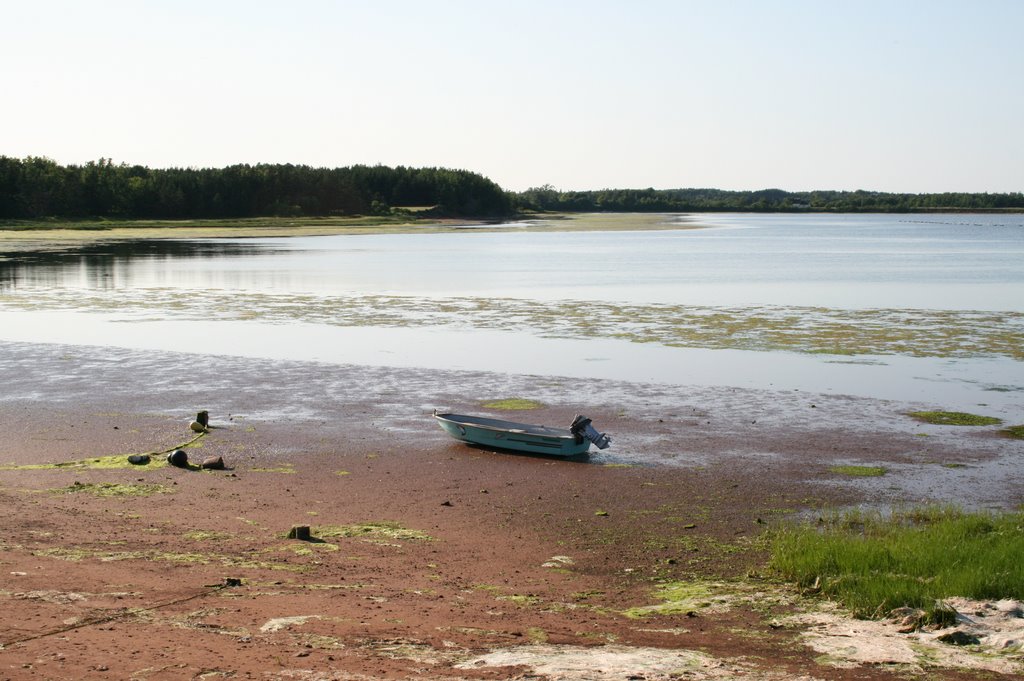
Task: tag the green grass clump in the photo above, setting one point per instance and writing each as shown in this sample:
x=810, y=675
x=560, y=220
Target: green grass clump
x=1016, y=432
x=859, y=471
x=954, y=418
x=513, y=404
x=873, y=564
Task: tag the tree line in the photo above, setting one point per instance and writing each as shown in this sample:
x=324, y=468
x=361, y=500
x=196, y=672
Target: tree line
x=37, y=187
x=547, y=198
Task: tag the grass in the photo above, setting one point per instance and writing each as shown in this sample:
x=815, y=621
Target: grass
x=873, y=564
x=859, y=471
x=954, y=418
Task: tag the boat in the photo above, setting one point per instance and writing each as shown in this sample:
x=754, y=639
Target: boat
x=524, y=437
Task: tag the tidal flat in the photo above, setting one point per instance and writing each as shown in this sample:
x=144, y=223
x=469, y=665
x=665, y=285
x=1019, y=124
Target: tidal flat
x=818, y=330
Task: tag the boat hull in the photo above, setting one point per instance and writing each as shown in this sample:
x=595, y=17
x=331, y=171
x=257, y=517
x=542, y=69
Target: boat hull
x=512, y=436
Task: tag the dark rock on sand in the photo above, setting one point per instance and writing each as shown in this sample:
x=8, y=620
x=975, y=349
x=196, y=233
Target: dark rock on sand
x=213, y=463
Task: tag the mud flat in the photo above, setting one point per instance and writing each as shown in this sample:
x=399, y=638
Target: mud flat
x=431, y=559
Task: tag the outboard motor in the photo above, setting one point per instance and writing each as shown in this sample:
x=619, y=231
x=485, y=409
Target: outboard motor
x=581, y=428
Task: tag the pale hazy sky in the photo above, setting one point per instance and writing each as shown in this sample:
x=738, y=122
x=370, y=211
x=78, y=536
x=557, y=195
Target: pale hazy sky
x=909, y=96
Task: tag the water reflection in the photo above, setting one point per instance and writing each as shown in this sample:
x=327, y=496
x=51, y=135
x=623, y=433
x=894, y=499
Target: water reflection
x=113, y=264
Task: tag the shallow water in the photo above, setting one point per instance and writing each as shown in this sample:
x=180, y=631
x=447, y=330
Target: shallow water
x=884, y=306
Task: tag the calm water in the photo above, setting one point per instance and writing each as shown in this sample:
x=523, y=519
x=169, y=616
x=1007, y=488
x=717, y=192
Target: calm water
x=958, y=262
x=937, y=263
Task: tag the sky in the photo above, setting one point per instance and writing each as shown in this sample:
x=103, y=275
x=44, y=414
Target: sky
x=898, y=96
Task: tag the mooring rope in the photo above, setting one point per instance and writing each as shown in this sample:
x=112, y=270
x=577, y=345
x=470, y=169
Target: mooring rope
x=131, y=612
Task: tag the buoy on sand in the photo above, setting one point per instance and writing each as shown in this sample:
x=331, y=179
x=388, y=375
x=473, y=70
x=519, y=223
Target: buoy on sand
x=178, y=458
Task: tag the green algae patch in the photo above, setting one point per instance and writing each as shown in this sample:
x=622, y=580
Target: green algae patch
x=859, y=471
x=513, y=404
x=77, y=554
x=203, y=535
x=113, y=462
x=274, y=469
x=114, y=489
x=954, y=418
x=676, y=598
x=1015, y=432
x=376, y=530
x=305, y=548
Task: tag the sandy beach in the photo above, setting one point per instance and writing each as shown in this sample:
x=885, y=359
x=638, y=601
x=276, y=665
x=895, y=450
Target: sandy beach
x=430, y=559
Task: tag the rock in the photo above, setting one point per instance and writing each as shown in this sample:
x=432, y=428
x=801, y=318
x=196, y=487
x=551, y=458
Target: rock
x=203, y=418
x=446, y=503
x=138, y=459
x=197, y=427
x=213, y=463
x=960, y=638
x=178, y=458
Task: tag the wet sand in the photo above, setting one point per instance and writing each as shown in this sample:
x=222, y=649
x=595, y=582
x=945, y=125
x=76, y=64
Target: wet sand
x=435, y=560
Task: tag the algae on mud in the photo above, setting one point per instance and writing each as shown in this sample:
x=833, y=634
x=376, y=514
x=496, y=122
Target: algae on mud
x=859, y=471
x=383, y=529
x=114, y=489
x=513, y=404
x=954, y=418
x=815, y=330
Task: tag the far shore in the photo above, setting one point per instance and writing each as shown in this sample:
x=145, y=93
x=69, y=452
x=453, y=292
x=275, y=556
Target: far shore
x=66, y=231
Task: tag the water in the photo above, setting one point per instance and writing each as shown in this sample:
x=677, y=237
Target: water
x=574, y=303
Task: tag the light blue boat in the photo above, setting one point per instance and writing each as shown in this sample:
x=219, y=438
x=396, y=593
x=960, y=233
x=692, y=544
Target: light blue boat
x=523, y=437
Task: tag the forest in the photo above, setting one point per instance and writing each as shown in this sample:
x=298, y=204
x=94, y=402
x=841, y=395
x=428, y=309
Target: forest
x=37, y=188
x=547, y=198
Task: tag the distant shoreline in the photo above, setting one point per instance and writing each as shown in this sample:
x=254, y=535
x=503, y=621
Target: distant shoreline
x=43, y=232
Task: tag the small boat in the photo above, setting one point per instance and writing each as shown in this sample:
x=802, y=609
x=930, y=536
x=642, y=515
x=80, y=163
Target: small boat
x=524, y=437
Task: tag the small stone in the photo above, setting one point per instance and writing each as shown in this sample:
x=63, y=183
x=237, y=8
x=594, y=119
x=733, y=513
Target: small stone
x=197, y=427
x=138, y=459
x=960, y=638
x=446, y=503
x=213, y=463
x=302, y=653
